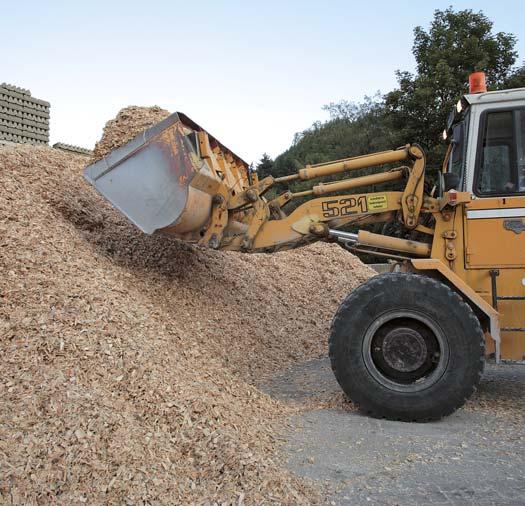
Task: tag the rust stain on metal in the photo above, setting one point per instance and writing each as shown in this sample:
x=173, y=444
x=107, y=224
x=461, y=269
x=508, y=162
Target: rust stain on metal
x=177, y=152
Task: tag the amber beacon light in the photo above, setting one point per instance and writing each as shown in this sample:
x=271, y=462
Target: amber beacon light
x=477, y=82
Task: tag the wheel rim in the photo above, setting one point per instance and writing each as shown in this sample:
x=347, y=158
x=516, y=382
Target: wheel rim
x=405, y=351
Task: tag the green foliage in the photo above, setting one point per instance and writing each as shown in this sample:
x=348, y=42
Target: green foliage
x=457, y=44
x=352, y=129
x=517, y=78
x=265, y=166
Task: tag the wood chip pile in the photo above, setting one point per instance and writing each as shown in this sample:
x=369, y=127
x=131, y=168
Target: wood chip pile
x=129, y=361
x=128, y=123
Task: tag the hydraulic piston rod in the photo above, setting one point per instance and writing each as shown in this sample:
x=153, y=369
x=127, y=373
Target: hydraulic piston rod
x=348, y=184
x=343, y=236
x=348, y=164
x=358, y=162
x=364, y=238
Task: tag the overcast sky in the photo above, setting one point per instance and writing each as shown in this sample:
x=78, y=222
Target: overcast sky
x=251, y=73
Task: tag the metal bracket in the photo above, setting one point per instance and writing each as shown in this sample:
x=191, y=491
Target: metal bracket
x=219, y=219
x=259, y=218
x=277, y=203
x=450, y=246
x=494, y=273
x=250, y=195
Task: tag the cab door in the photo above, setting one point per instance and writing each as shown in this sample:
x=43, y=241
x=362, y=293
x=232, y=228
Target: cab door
x=495, y=220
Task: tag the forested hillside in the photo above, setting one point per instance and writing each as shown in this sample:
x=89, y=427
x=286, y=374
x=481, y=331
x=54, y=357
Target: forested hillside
x=456, y=44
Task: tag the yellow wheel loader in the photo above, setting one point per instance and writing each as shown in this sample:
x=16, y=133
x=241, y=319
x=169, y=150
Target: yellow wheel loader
x=406, y=345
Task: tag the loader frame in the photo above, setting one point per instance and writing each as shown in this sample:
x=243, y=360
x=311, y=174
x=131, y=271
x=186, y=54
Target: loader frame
x=264, y=226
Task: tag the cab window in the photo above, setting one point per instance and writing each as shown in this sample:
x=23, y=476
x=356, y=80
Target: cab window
x=501, y=159
x=457, y=155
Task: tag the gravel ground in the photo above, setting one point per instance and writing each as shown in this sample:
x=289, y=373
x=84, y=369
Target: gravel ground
x=475, y=456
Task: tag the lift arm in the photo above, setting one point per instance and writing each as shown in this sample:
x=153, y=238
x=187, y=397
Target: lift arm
x=267, y=227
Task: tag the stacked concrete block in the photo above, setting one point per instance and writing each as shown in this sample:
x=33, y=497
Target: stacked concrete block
x=72, y=149
x=23, y=118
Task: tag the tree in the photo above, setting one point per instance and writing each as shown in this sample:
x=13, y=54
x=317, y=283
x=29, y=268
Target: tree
x=517, y=78
x=456, y=44
x=265, y=166
x=353, y=129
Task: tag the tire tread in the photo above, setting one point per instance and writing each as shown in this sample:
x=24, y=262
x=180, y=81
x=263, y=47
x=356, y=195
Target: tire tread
x=377, y=283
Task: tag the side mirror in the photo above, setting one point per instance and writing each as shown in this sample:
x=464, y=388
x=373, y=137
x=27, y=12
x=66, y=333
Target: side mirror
x=450, y=181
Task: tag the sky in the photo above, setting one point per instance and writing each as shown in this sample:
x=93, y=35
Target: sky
x=251, y=73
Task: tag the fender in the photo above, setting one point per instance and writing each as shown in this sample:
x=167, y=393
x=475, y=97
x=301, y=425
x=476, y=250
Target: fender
x=430, y=264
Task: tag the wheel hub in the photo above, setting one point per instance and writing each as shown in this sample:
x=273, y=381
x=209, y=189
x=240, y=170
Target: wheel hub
x=404, y=349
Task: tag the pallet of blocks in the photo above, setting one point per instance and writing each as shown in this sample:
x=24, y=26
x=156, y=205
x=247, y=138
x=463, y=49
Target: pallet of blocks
x=23, y=119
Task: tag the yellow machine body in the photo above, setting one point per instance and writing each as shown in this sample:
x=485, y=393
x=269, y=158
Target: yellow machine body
x=473, y=242
x=488, y=256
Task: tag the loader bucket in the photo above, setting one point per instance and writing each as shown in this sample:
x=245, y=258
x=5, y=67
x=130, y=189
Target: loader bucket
x=149, y=179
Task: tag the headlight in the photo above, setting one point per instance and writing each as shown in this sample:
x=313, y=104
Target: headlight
x=445, y=135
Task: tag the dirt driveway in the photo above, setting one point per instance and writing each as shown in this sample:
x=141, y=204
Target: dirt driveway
x=476, y=456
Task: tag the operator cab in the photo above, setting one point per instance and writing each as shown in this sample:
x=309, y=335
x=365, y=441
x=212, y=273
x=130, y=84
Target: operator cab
x=486, y=132
x=486, y=159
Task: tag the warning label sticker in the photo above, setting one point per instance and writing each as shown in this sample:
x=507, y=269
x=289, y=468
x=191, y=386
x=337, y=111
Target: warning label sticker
x=377, y=202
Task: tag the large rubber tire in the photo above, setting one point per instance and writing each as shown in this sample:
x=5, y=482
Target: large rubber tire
x=397, y=327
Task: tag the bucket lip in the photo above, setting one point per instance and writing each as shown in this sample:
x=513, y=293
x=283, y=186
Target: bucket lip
x=95, y=170
x=100, y=167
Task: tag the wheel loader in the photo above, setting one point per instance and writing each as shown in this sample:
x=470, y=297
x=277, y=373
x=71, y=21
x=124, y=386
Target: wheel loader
x=408, y=344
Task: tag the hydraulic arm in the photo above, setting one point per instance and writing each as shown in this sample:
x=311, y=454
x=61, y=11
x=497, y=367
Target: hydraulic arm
x=330, y=207
x=177, y=179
